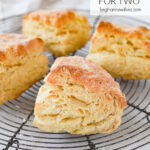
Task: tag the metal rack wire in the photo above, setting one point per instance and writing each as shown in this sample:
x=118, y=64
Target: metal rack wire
x=16, y=116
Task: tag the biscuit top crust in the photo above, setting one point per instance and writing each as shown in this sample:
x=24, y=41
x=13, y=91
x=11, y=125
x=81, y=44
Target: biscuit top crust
x=86, y=73
x=55, y=17
x=131, y=31
x=13, y=45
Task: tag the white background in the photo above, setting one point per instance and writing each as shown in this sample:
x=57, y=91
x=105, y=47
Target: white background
x=14, y=7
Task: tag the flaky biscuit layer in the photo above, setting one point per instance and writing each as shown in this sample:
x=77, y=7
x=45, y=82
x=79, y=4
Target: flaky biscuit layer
x=79, y=97
x=21, y=64
x=131, y=44
x=63, y=31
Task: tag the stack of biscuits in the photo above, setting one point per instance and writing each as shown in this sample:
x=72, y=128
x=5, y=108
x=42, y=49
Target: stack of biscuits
x=78, y=95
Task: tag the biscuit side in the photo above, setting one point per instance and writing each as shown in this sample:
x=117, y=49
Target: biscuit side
x=122, y=51
x=21, y=64
x=59, y=40
x=127, y=67
x=18, y=77
x=72, y=108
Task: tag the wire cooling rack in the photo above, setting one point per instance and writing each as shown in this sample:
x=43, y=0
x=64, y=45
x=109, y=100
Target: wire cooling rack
x=16, y=116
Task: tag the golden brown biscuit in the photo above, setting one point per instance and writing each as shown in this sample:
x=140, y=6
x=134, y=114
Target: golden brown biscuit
x=79, y=97
x=122, y=51
x=21, y=64
x=63, y=31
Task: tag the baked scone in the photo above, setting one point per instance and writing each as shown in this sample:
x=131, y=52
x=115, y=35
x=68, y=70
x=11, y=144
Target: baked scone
x=122, y=51
x=79, y=97
x=21, y=64
x=63, y=31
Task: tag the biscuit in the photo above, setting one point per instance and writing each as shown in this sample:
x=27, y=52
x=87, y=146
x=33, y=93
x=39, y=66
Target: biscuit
x=122, y=51
x=63, y=31
x=21, y=64
x=78, y=97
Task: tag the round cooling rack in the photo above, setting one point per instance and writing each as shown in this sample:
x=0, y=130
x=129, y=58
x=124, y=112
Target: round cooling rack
x=16, y=116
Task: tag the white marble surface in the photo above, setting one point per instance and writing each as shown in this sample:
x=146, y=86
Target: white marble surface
x=14, y=7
